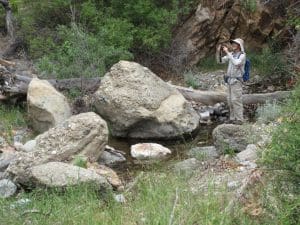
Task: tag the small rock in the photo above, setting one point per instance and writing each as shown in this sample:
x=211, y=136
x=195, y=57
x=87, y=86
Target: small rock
x=110, y=156
x=29, y=146
x=149, y=151
x=271, y=88
x=187, y=166
x=2, y=141
x=232, y=185
x=111, y=176
x=5, y=159
x=120, y=198
x=204, y=153
x=18, y=146
x=20, y=203
x=7, y=188
x=204, y=115
x=247, y=155
x=249, y=164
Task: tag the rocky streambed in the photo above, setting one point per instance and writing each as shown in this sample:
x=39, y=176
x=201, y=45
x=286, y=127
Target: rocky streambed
x=138, y=120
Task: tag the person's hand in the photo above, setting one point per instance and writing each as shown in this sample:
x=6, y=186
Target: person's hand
x=225, y=49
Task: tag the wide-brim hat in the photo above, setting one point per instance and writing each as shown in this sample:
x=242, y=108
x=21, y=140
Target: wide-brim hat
x=240, y=42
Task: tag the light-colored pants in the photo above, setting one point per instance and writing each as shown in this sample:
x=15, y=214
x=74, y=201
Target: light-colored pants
x=235, y=101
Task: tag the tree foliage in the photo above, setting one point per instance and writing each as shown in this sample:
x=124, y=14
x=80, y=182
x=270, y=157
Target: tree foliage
x=109, y=30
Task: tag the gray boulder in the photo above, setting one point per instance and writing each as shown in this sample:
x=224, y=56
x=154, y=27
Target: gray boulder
x=58, y=174
x=7, y=188
x=249, y=154
x=46, y=106
x=138, y=104
x=85, y=134
x=231, y=137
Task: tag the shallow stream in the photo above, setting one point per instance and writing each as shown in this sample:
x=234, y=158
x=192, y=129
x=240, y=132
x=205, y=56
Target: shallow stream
x=179, y=148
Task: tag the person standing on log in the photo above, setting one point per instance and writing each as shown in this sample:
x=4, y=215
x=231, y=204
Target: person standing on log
x=234, y=78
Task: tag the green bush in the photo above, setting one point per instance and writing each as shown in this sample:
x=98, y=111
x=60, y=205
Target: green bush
x=281, y=161
x=80, y=54
x=268, y=112
x=284, y=151
x=120, y=27
x=264, y=64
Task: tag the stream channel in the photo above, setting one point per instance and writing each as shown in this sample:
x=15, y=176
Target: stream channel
x=179, y=148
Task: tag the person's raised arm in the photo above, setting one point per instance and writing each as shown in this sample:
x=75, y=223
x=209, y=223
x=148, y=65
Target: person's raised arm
x=219, y=57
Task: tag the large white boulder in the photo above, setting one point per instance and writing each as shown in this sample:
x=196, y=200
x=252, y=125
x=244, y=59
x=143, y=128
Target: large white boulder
x=138, y=104
x=46, y=106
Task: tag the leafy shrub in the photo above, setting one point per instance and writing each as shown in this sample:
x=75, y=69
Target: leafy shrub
x=264, y=63
x=268, y=112
x=284, y=152
x=190, y=80
x=117, y=27
x=80, y=54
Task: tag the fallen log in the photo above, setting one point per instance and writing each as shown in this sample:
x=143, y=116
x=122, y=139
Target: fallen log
x=20, y=84
x=4, y=62
x=90, y=85
x=213, y=97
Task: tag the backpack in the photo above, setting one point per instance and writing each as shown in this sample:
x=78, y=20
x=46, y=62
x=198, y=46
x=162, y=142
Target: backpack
x=247, y=68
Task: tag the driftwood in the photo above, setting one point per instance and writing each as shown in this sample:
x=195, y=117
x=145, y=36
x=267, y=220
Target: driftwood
x=11, y=85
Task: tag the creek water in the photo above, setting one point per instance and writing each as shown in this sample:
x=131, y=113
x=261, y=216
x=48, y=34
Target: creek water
x=179, y=148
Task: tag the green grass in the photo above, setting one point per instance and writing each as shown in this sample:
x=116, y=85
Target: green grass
x=11, y=118
x=150, y=202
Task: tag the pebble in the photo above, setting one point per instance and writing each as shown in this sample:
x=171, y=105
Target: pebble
x=232, y=185
x=20, y=203
x=7, y=188
x=120, y=198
